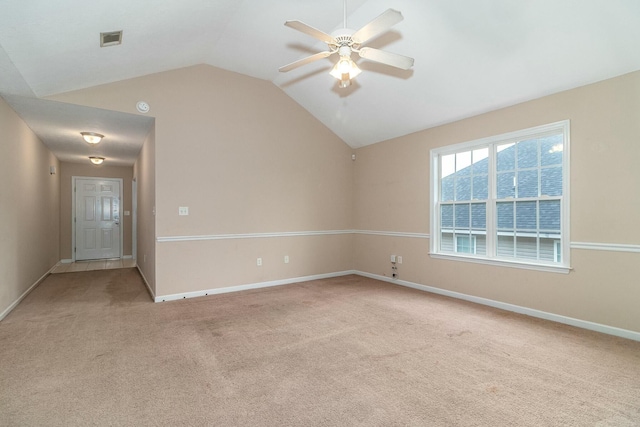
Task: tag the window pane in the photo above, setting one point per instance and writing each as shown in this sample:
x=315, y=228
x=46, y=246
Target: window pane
x=557, y=251
x=447, y=165
x=551, y=149
x=464, y=244
x=551, y=181
x=463, y=188
x=526, y=247
x=479, y=216
x=446, y=242
x=526, y=218
x=506, y=186
x=506, y=158
x=549, y=211
x=547, y=249
x=528, y=183
x=461, y=213
x=505, y=216
x=481, y=187
x=463, y=161
x=506, y=246
x=527, y=154
x=446, y=216
x=446, y=192
x=480, y=161
x=481, y=244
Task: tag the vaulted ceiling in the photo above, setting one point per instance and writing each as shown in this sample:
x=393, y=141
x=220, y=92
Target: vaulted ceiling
x=470, y=56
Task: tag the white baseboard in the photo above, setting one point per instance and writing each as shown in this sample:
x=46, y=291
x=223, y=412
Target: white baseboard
x=25, y=293
x=584, y=324
x=146, y=282
x=259, y=285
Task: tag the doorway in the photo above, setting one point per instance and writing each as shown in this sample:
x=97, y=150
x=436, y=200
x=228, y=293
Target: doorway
x=97, y=228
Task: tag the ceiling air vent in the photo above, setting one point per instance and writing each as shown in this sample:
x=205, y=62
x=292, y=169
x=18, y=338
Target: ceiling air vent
x=111, y=38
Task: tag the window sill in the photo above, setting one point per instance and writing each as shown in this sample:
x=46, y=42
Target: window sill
x=503, y=263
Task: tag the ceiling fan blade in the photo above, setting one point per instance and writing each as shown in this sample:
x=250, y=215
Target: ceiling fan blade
x=393, y=59
x=309, y=30
x=304, y=61
x=378, y=26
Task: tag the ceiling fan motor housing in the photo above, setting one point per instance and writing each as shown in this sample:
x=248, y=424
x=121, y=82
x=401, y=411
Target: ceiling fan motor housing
x=343, y=38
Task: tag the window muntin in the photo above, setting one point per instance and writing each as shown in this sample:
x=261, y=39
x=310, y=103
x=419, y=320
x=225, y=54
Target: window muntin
x=508, y=194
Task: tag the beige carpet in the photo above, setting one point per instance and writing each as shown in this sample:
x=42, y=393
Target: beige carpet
x=90, y=348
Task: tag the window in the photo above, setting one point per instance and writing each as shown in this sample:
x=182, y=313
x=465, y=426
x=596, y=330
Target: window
x=504, y=199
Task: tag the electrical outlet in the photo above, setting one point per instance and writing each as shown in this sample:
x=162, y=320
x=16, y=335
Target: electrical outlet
x=393, y=258
x=183, y=210
x=259, y=262
x=286, y=259
x=399, y=259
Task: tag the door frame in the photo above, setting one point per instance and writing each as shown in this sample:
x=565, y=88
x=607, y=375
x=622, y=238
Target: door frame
x=73, y=212
x=134, y=218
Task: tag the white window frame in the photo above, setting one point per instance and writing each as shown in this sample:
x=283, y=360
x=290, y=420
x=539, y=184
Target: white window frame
x=492, y=142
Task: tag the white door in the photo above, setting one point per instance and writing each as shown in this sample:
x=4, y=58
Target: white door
x=97, y=218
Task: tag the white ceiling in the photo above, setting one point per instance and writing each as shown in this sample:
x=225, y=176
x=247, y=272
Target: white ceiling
x=470, y=56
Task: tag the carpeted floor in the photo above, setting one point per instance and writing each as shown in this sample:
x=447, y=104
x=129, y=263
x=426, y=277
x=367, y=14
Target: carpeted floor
x=90, y=348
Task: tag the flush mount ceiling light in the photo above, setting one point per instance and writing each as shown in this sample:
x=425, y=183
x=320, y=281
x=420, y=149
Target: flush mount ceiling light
x=96, y=160
x=92, y=137
x=345, y=41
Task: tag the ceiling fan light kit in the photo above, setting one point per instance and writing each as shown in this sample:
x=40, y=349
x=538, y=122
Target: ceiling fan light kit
x=345, y=70
x=346, y=41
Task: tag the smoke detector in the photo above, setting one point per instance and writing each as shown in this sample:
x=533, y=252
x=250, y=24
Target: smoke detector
x=111, y=38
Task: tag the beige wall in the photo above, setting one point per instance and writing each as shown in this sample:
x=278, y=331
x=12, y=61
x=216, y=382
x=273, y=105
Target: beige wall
x=392, y=194
x=144, y=174
x=245, y=158
x=67, y=172
x=29, y=211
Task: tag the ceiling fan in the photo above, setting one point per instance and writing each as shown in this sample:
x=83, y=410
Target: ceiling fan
x=346, y=41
